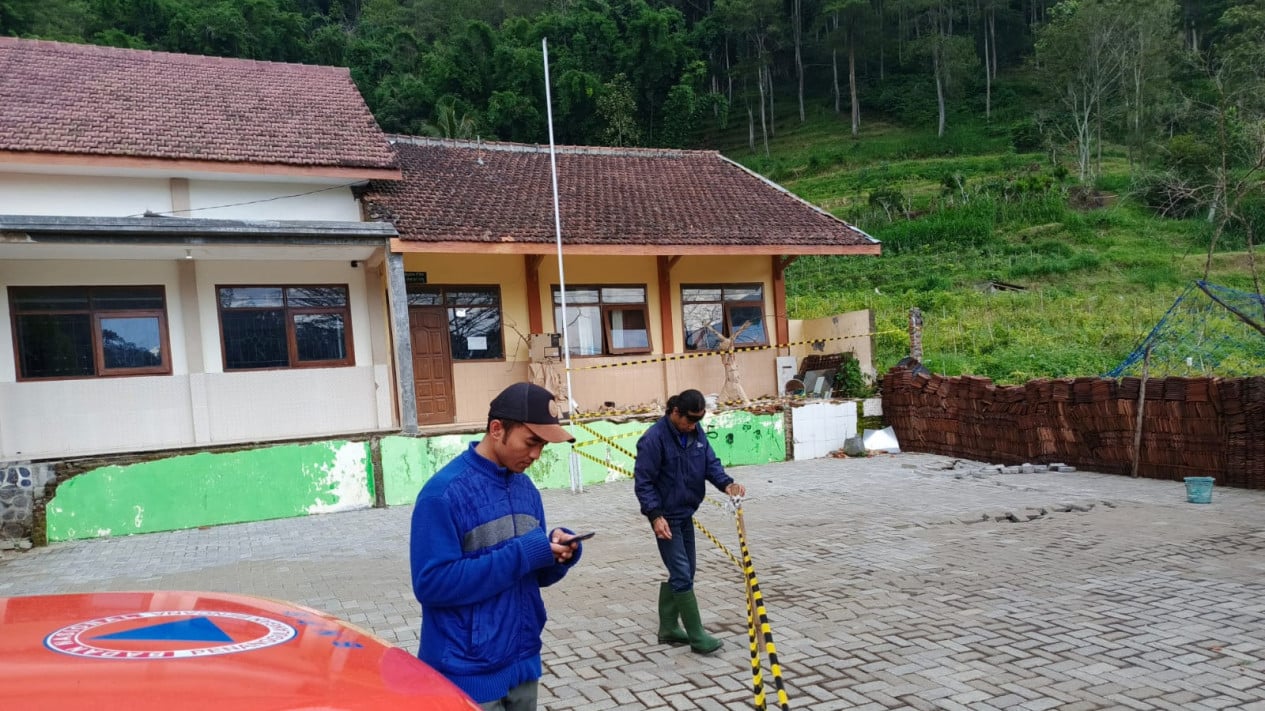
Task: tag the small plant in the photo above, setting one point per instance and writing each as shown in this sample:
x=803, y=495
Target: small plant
x=850, y=381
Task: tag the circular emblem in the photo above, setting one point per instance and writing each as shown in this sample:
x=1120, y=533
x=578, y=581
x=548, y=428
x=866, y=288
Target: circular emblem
x=554, y=411
x=169, y=634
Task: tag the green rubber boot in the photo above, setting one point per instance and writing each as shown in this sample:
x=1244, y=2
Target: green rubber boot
x=669, y=631
x=700, y=641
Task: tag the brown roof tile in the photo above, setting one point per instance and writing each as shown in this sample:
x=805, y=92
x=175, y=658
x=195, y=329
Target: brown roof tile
x=502, y=192
x=103, y=101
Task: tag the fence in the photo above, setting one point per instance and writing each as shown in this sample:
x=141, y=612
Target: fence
x=1190, y=426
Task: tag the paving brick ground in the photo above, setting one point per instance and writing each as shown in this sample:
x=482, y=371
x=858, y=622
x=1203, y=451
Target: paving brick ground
x=890, y=583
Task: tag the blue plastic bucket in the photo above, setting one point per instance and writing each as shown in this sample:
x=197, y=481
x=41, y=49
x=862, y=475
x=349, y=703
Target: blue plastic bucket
x=1199, y=489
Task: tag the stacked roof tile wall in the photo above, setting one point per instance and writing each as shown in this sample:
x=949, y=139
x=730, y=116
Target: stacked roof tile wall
x=1191, y=426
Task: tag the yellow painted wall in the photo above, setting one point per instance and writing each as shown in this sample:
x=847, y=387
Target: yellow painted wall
x=842, y=333
x=506, y=271
x=644, y=270
x=476, y=383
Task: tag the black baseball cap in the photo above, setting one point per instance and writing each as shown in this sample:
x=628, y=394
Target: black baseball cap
x=533, y=406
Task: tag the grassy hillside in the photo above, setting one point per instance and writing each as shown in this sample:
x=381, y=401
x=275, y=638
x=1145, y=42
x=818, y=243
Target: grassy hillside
x=958, y=213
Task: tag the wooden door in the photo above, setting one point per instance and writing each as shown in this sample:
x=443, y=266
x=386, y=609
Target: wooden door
x=432, y=365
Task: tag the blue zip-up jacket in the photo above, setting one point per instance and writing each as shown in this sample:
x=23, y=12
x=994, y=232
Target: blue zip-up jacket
x=479, y=553
x=670, y=475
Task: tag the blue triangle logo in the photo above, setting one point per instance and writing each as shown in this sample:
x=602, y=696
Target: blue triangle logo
x=197, y=629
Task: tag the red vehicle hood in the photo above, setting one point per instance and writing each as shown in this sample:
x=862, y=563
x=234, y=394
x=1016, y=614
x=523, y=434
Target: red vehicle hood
x=186, y=651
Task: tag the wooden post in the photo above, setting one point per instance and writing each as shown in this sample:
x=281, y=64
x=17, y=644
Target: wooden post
x=915, y=334
x=1137, y=433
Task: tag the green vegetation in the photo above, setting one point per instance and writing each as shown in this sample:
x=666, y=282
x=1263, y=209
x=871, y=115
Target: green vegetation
x=966, y=228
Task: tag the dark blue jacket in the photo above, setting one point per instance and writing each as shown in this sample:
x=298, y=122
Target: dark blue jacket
x=670, y=476
x=480, y=553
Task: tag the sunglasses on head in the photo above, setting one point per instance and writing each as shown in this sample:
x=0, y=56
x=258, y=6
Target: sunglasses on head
x=692, y=417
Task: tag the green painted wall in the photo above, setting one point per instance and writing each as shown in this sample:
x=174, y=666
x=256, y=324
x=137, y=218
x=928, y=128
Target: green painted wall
x=606, y=452
x=212, y=488
x=740, y=437
x=408, y=462
x=208, y=489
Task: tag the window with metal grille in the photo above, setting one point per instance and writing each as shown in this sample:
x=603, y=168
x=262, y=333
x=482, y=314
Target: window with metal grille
x=285, y=326
x=89, y=331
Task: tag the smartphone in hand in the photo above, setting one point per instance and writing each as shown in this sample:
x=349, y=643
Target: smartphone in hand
x=580, y=537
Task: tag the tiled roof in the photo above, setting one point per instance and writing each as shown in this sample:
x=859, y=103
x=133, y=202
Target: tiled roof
x=502, y=192
x=102, y=101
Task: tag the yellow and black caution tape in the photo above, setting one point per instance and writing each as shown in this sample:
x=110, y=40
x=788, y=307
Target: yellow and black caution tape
x=602, y=462
x=642, y=410
x=757, y=669
x=717, y=542
x=755, y=599
x=599, y=437
x=755, y=611
x=708, y=354
x=755, y=604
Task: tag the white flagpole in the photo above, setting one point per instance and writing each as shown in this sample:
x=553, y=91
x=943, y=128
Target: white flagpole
x=576, y=482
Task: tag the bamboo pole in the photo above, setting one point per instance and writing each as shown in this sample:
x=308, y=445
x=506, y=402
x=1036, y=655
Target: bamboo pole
x=1137, y=433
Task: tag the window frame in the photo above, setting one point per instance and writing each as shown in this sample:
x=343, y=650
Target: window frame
x=98, y=340
x=288, y=313
x=726, y=308
x=605, y=310
x=443, y=290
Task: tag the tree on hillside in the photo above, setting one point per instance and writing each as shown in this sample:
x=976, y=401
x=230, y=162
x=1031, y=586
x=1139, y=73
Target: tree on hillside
x=756, y=25
x=1238, y=178
x=1080, y=64
x=1199, y=19
x=1147, y=49
x=845, y=22
x=654, y=54
x=450, y=121
x=949, y=55
x=16, y=16
x=988, y=12
x=617, y=108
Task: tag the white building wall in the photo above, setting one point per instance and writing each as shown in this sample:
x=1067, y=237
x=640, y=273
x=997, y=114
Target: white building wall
x=222, y=200
x=300, y=402
x=82, y=196
x=97, y=196
x=95, y=415
x=44, y=419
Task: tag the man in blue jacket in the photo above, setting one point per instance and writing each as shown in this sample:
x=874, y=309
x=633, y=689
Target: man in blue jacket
x=674, y=462
x=480, y=553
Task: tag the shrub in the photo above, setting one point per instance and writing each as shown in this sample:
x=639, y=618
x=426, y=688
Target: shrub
x=1026, y=137
x=1189, y=156
x=888, y=199
x=850, y=381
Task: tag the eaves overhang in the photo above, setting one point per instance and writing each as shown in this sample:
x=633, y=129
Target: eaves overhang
x=40, y=228
x=512, y=247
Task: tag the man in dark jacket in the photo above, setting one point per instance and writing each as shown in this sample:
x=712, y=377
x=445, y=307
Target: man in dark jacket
x=674, y=462
x=480, y=553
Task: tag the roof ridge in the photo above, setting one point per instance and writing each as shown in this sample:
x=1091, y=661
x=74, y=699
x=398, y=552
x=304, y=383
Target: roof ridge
x=510, y=147
x=155, y=54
